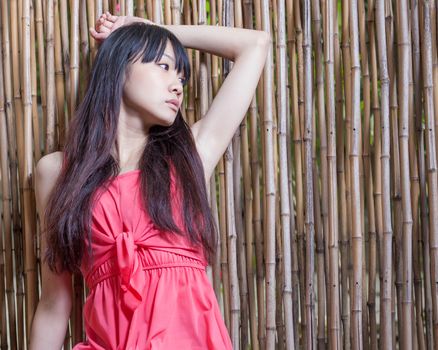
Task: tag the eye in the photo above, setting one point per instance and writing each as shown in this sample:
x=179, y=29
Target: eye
x=164, y=64
x=183, y=80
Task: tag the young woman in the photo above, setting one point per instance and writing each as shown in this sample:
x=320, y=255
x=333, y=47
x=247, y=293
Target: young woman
x=126, y=203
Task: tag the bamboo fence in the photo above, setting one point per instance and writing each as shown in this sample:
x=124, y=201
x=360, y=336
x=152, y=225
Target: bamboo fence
x=326, y=200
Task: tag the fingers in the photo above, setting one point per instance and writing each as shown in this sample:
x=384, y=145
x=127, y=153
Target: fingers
x=98, y=36
x=110, y=17
x=103, y=21
x=103, y=26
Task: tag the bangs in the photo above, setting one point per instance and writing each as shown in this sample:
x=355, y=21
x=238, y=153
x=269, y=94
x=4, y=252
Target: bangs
x=155, y=40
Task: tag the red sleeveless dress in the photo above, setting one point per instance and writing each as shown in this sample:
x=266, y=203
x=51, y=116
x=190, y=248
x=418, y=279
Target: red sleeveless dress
x=148, y=290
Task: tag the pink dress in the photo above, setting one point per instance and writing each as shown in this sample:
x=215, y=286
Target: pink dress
x=146, y=291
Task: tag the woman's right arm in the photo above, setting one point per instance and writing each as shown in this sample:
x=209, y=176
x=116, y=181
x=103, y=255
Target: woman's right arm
x=50, y=321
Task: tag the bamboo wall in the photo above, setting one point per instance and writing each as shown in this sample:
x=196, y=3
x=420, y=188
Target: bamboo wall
x=327, y=198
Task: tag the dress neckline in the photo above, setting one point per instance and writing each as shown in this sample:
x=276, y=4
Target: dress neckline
x=128, y=173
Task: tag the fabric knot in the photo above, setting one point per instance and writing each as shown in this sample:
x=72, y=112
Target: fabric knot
x=130, y=271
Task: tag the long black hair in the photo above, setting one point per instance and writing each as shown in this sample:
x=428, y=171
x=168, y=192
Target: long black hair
x=88, y=162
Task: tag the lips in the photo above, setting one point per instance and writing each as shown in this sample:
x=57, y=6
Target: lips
x=174, y=103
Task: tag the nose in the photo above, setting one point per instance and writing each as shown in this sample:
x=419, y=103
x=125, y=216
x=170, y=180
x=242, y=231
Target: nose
x=176, y=85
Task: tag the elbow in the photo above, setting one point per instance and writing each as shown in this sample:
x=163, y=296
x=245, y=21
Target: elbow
x=57, y=301
x=60, y=308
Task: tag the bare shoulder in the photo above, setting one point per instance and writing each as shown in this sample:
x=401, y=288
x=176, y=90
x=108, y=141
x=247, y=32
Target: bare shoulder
x=50, y=164
x=47, y=171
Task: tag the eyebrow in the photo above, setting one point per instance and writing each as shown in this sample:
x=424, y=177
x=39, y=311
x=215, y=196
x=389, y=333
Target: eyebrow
x=165, y=54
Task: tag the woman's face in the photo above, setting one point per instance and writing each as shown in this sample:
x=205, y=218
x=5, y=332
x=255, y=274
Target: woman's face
x=154, y=90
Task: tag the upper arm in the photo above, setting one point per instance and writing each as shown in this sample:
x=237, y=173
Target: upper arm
x=56, y=289
x=215, y=130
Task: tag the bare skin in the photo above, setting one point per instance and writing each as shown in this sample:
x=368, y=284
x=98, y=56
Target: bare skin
x=212, y=134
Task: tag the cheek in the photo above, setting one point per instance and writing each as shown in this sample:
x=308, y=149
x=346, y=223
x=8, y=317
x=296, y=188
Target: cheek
x=136, y=91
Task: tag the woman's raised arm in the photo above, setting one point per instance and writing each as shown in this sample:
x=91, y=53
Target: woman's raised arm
x=248, y=50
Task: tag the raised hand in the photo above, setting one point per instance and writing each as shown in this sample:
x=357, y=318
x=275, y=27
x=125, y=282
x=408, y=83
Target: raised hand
x=107, y=23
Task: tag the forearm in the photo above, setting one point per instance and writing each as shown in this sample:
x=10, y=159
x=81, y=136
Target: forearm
x=227, y=42
x=48, y=329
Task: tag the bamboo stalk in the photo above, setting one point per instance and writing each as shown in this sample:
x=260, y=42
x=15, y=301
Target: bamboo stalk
x=395, y=169
x=319, y=248
x=28, y=220
x=84, y=47
x=59, y=79
x=369, y=234
x=51, y=102
x=294, y=122
x=66, y=55
x=16, y=81
x=157, y=12
x=248, y=197
x=224, y=249
x=41, y=54
x=309, y=215
x=431, y=162
x=333, y=310
x=6, y=265
x=415, y=186
x=374, y=174
x=35, y=120
x=232, y=250
x=301, y=224
x=215, y=207
x=167, y=12
x=356, y=243
x=9, y=46
x=150, y=11
x=9, y=193
x=91, y=16
x=386, y=277
x=284, y=186
x=403, y=74
x=423, y=248
x=269, y=187
x=257, y=211
x=240, y=227
x=140, y=10
x=347, y=241
x=129, y=7
x=279, y=319
x=176, y=11
x=216, y=265
x=340, y=165
x=3, y=297
x=321, y=232
x=235, y=302
x=230, y=226
x=421, y=169
x=295, y=52
x=434, y=34
x=74, y=66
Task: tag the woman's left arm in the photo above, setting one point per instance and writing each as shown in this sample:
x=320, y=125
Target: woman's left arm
x=227, y=42
x=248, y=49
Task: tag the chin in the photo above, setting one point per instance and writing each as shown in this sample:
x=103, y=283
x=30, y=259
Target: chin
x=166, y=122
x=162, y=120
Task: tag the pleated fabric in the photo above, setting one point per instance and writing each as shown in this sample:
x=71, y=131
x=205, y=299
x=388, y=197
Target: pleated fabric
x=148, y=289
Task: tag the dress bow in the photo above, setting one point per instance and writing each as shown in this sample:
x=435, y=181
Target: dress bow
x=132, y=282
